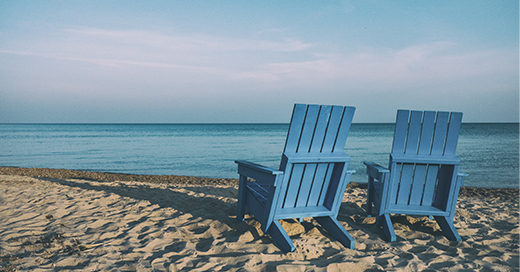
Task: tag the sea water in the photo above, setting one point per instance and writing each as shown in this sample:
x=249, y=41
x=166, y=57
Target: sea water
x=489, y=153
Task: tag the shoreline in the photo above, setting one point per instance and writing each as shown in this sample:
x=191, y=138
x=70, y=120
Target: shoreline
x=507, y=193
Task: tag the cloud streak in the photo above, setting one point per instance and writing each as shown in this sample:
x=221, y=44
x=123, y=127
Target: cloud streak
x=418, y=64
x=265, y=60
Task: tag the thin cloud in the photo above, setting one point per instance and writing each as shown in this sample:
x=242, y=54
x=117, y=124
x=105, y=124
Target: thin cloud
x=120, y=49
x=289, y=61
x=418, y=64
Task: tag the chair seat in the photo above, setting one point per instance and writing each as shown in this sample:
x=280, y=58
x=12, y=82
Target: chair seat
x=416, y=210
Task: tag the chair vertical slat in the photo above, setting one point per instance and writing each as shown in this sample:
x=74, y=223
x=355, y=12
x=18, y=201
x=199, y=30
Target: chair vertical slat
x=439, y=136
x=344, y=129
x=308, y=128
x=306, y=185
x=332, y=129
x=419, y=177
x=401, y=130
x=405, y=184
x=325, y=186
x=414, y=132
x=429, y=184
x=317, y=185
x=294, y=185
x=321, y=128
x=295, y=128
x=428, y=126
x=453, y=133
x=393, y=188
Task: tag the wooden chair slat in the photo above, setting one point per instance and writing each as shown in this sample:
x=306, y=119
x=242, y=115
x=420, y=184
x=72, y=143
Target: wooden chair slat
x=321, y=129
x=453, y=134
x=306, y=185
x=425, y=145
x=417, y=191
x=332, y=129
x=439, y=137
x=401, y=129
x=318, y=184
x=414, y=132
x=309, y=127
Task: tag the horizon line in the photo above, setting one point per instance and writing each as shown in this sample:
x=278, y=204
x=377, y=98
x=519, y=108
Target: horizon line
x=216, y=123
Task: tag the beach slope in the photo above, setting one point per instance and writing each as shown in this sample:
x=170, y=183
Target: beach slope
x=50, y=221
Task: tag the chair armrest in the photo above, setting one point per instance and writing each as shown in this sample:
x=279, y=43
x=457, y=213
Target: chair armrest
x=460, y=178
x=260, y=173
x=461, y=174
x=376, y=171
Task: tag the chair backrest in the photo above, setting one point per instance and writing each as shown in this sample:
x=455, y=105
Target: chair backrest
x=426, y=133
x=423, y=162
x=317, y=130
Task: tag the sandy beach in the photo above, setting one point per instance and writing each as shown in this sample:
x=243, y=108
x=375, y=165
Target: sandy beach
x=59, y=220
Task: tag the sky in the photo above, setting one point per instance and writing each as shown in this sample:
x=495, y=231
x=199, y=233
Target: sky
x=224, y=61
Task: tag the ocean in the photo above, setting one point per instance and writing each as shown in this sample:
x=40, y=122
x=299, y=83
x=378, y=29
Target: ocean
x=489, y=152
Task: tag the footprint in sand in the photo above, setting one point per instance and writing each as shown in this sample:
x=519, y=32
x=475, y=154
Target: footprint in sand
x=204, y=244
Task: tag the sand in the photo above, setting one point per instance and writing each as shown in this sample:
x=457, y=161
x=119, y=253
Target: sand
x=50, y=221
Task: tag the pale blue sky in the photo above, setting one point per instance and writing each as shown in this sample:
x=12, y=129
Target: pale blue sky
x=250, y=61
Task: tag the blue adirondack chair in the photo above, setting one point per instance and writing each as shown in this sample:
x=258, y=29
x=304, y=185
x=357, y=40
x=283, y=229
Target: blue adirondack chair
x=422, y=177
x=311, y=180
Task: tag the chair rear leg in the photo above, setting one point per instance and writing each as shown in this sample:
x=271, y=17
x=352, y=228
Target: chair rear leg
x=370, y=196
x=449, y=230
x=336, y=230
x=280, y=237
